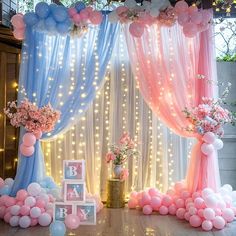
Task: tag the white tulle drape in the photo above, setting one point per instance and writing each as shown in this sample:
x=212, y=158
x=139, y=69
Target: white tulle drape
x=119, y=107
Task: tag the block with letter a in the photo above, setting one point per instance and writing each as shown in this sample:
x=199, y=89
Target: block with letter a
x=61, y=210
x=74, y=191
x=74, y=170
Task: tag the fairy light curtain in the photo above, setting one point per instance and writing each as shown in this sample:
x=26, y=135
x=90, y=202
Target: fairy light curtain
x=119, y=107
x=65, y=71
x=166, y=65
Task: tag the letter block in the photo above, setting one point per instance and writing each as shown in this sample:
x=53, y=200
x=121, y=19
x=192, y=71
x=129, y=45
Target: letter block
x=61, y=210
x=74, y=192
x=74, y=170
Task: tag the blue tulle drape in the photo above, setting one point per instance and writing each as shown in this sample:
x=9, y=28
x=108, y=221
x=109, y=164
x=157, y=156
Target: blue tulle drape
x=65, y=71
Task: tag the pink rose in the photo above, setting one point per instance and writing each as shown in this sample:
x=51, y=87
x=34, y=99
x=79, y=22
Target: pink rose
x=124, y=174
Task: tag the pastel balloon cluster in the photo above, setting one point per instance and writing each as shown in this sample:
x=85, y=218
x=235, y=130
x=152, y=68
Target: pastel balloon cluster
x=29, y=140
x=6, y=186
x=82, y=15
x=192, y=19
x=19, y=26
x=210, y=143
x=139, y=16
x=205, y=209
x=29, y=208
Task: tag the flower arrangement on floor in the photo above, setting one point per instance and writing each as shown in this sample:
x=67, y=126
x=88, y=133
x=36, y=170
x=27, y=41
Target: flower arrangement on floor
x=119, y=153
x=35, y=121
x=207, y=119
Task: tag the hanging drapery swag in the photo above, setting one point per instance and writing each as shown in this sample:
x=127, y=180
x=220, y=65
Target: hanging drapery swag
x=65, y=71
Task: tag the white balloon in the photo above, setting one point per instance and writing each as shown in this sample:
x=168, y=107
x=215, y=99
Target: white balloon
x=14, y=221
x=35, y=212
x=130, y=3
x=228, y=187
x=15, y=210
x=43, y=196
x=207, y=149
x=233, y=195
x=9, y=182
x=45, y=219
x=30, y=201
x=218, y=144
x=34, y=189
x=154, y=12
x=221, y=205
x=206, y=192
x=224, y=191
x=24, y=222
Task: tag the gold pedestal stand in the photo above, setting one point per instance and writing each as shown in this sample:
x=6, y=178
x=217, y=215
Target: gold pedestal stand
x=115, y=193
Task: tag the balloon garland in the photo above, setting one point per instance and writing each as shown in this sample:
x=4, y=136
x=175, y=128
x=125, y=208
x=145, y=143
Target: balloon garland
x=57, y=19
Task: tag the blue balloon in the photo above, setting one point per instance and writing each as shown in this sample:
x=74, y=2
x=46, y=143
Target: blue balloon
x=41, y=25
x=79, y=6
x=30, y=19
x=57, y=228
x=63, y=28
x=42, y=10
x=60, y=14
x=50, y=24
x=5, y=190
x=52, y=7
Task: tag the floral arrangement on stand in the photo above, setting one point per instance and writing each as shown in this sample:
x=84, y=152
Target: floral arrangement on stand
x=56, y=19
x=35, y=121
x=119, y=154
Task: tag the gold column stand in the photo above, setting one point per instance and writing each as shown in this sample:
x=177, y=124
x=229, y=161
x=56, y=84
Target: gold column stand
x=115, y=193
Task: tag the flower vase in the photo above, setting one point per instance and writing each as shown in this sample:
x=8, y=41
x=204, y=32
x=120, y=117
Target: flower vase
x=117, y=171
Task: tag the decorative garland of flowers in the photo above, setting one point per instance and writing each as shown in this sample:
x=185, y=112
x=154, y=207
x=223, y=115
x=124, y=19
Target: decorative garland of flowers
x=59, y=19
x=56, y=19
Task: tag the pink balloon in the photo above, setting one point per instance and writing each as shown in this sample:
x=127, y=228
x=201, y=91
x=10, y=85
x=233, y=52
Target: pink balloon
x=10, y=201
x=218, y=212
x=7, y=217
x=2, y=183
x=163, y=210
x=192, y=9
x=206, y=16
x=29, y=139
x=187, y=216
x=20, y=203
x=132, y=203
x=72, y=221
x=167, y=201
x=180, y=203
x=203, y=27
x=50, y=212
x=121, y=9
x=136, y=29
x=96, y=17
x=147, y=210
x=133, y=194
x=190, y=204
x=199, y=203
x=3, y=200
x=2, y=211
x=152, y=192
x=140, y=203
x=26, y=151
x=188, y=200
x=72, y=11
x=196, y=195
x=25, y=210
x=146, y=199
x=181, y=6
x=185, y=195
x=19, y=34
x=183, y=18
x=207, y=225
x=200, y=212
x=172, y=209
x=77, y=18
x=21, y=195
x=18, y=21
x=38, y=134
x=209, y=214
x=196, y=17
x=34, y=222
x=146, y=18
x=171, y=192
x=180, y=213
x=155, y=203
x=219, y=222
x=192, y=211
x=40, y=203
x=89, y=9
x=228, y=215
x=195, y=221
x=190, y=29
x=179, y=186
x=211, y=201
x=209, y=137
x=84, y=14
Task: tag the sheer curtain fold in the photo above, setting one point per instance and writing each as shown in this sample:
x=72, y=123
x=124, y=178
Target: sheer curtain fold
x=167, y=65
x=65, y=71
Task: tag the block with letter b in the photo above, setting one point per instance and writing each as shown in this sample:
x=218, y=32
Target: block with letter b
x=74, y=170
x=86, y=212
x=74, y=191
x=61, y=210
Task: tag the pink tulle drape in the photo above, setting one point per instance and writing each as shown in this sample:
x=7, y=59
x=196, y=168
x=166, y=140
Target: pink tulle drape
x=167, y=66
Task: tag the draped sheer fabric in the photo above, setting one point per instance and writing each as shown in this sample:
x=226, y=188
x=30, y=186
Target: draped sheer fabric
x=65, y=71
x=167, y=66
